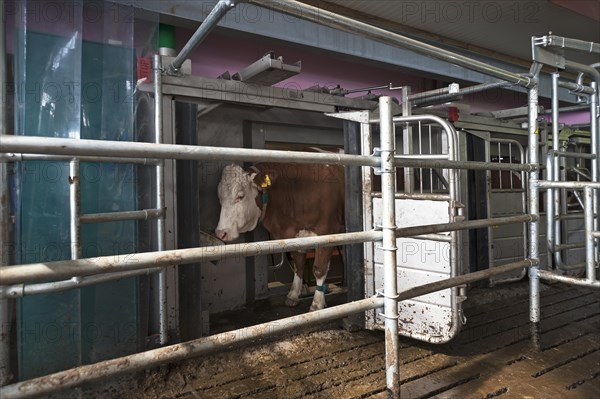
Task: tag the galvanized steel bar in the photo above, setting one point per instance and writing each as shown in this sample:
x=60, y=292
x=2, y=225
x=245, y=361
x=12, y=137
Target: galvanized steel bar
x=74, y=209
x=444, y=92
x=75, y=148
x=388, y=221
x=549, y=276
x=590, y=256
x=65, y=269
x=470, y=165
x=186, y=350
x=160, y=198
x=209, y=23
x=336, y=21
x=143, y=214
x=567, y=184
x=20, y=290
x=533, y=140
x=12, y=157
x=575, y=87
x=573, y=44
x=464, y=279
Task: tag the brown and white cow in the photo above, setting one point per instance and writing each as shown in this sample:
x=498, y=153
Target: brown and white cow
x=290, y=200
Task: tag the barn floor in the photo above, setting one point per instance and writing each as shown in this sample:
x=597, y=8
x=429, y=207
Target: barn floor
x=490, y=358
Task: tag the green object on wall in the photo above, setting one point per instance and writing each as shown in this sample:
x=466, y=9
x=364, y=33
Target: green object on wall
x=166, y=36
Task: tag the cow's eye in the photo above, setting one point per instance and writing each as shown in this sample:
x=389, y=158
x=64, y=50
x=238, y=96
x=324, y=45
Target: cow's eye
x=240, y=196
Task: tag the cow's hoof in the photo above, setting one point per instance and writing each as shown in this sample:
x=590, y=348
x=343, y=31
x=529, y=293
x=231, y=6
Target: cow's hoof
x=291, y=302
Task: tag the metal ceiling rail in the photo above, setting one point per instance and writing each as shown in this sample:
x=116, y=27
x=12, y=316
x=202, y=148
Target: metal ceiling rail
x=337, y=21
x=211, y=21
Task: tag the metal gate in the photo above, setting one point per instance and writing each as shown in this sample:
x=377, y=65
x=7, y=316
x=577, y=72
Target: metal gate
x=424, y=196
x=506, y=196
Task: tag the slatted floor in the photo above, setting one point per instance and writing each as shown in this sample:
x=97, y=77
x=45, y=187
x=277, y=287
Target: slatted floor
x=491, y=358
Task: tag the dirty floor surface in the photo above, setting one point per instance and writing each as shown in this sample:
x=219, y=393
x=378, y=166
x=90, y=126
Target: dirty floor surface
x=491, y=358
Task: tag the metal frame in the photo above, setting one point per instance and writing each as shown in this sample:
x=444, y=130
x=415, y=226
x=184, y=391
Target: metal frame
x=82, y=267
x=446, y=151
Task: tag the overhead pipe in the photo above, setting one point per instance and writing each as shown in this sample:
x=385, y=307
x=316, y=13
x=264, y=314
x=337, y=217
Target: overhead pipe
x=337, y=21
x=209, y=23
x=225, y=341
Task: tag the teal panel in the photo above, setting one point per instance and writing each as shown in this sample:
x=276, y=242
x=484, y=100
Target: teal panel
x=48, y=329
x=110, y=311
x=63, y=330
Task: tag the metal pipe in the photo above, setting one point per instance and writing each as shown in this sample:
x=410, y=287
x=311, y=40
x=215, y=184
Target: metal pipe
x=569, y=154
x=12, y=157
x=454, y=96
x=573, y=44
x=336, y=21
x=65, y=269
x=143, y=214
x=588, y=228
x=388, y=214
x=75, y=148
x=209, y=23
x=566, y=109
x=160, y=199
x=567, y=184
x=575, y=87
x=444, y=92
x=549, y=276
x=533, y=141
x=20, y=290
x=74, y=209
x=202, y=346
x=595, y=150
x=5, y=304
x=401, y=161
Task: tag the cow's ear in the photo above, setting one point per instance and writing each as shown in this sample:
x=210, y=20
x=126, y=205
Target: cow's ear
x=262, y=180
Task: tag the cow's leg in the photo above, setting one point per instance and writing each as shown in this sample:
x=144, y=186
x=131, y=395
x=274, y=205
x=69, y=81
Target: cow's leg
x=298, y=259
x=320, y=269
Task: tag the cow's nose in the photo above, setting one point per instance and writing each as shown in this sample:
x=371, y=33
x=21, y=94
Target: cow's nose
x=221, y=235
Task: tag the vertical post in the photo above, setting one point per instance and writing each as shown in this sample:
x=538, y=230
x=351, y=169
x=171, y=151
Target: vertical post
x=534, y=279
x=390, y=288
x=407, y=140
x=74, y=208
x=5, y=304
x=595, y=150
x=554, y=174
x=160, y=198
x=588, y=214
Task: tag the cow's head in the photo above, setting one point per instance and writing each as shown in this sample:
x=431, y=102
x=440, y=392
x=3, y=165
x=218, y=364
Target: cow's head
x=239, y=209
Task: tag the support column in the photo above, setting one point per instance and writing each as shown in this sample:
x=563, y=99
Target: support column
x=390, y=289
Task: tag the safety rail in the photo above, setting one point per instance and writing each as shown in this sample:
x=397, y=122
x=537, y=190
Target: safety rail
x=84, y=148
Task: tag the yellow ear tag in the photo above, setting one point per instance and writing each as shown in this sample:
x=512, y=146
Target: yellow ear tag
x=267, y=182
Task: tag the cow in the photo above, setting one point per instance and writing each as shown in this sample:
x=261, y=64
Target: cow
x=290, y=200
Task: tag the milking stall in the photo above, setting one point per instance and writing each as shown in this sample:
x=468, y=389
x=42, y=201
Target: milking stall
x=169, y=168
